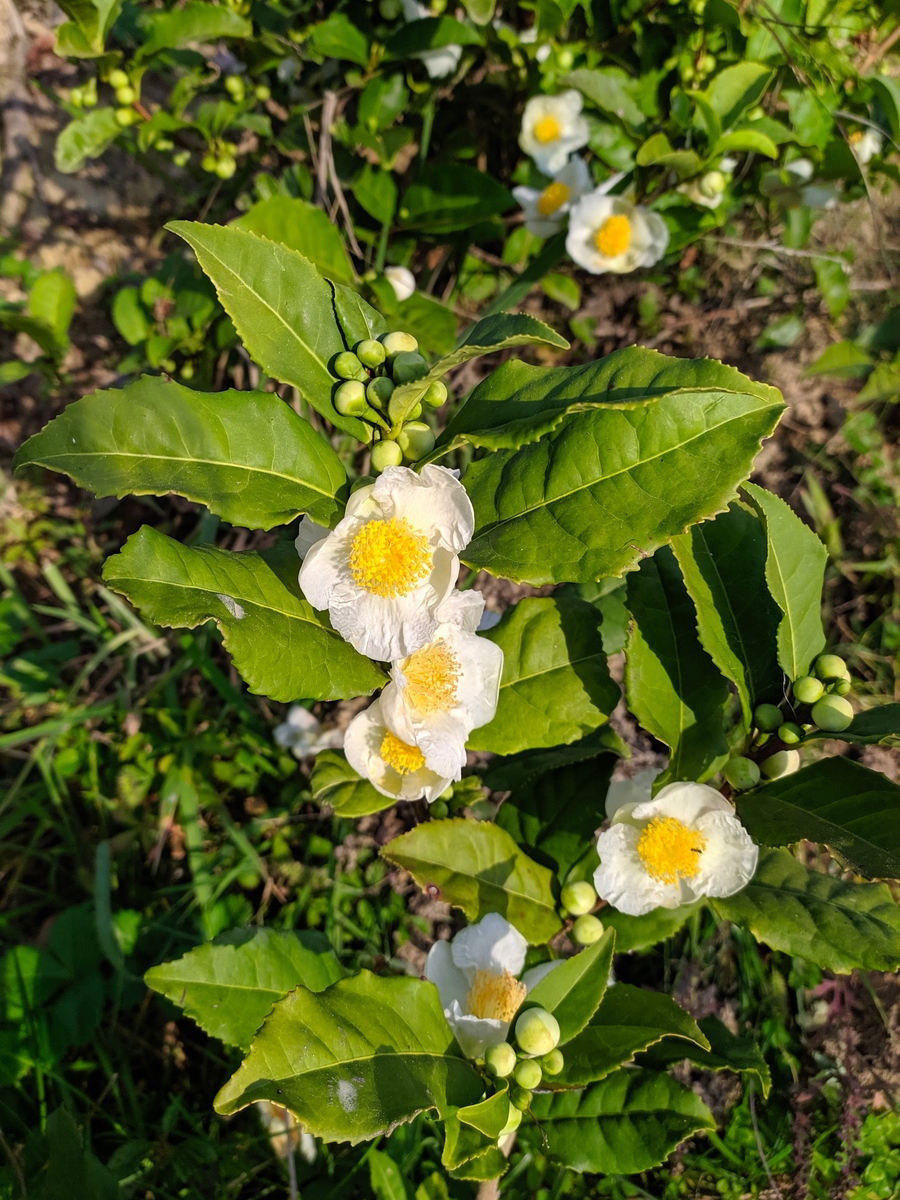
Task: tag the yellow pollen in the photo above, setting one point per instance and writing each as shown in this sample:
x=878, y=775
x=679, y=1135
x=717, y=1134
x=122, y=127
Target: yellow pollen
x=553, y=197
x=614, y=236
x=389, y=557
x=431, y=678
x=670, y=850
x=856, y=136
x=547, y=129
x=495, y=997
x=403, y=758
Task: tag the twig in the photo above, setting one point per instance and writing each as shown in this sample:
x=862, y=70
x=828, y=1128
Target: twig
x=292, y=1165
x=16, y=1165
x=17, y=179
x=879, y=51
x=775, y=248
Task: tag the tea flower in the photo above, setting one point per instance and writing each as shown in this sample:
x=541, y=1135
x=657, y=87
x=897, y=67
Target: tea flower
x=865, y=144
x=402, y=281
x=683, y=844
x=443, y=59
x=609, y=233
x=476, y=976
x=303, y=735
x=545, y=208
x=383, y=572
x=709, y=190
x=393, y=767
x=552, y=129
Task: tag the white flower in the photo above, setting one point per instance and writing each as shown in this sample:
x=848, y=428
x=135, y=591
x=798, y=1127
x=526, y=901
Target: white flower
x=285, y=1131
x=684, y=843
x=476, y=976
x=609, y=233
x=303, y=735
x=814, y=195
x=391, y=561
x=440, y=61
x=545, y=208
x=393, y=767
x=865, y=144
x=401, y=280
x=629, y=791
x=552, y=129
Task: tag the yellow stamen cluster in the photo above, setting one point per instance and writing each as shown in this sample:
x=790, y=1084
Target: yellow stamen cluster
x=405, y=759
x=495, y=997
x=389, y=557
x=855, y=136
x=431, y=678
x=547, y=129
x=552, y=198
x=670, y=850
x=614, y=236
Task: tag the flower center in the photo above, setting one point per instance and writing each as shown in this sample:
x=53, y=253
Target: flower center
x=670, y=850
x=495, y=997
x=389, y=557
x=855, y=136
x=403, y=758
x=431, y=678
x=547, y=129
x=614, y=236
x=553, y=197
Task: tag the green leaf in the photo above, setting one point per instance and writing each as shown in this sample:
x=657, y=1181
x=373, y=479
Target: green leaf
x=555, y=685
x=880, y=724
x=882, y=384
x=723, y=563
x=358, y=320
x=795, y=569
x=450, y=197
x=472, y=1132
x=70, y=1172
x=753, y=140
x=628, y=1020
x=674, y=688
x=736, y=89
x=572, y=992
x=246, y=455
x=834, y=284
x=658, y=151
x=640, y=933
x=335, y=783
x=610, y=89
x=367, y=1054
x=196, y=22
x=608, y=487
x=303, y=227
x=85, y=137
x=481, y=11
x=94, y=19
x=338, y=37
x=382, y=101
x=846, y=360
x=430, y=33
x=811, y=122
x=13, y=371
x=281, y=307
x=842, y=805
x=129, y=316
x=726, y=1053
x=627, y=1123
x=229, y=986
x=477, y=867
x=521, y=770
x=384, y=1176
x=835, y=924
x=281, y=646
x=52, y=300
x=376, y=191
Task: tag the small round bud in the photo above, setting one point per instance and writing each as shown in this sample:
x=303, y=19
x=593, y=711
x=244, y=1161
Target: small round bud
x=438, y=809
x=187, y=370
x=415, y=412
x=712, y=184
x=167, y=364
x=76, y=97
x=832, y=713
x=565, y=58
x=808, y=689
x=398, y=343
x=579, y=897
x=225, y=168
x=783, y=762
x=436, y=395
x=348, y=366
x=840, y=687
x=209, y=162
x=118, y=78
x=528, y=1074
x=182, y=158
x=553, y=1062
x=164, y=145
x=587, y=930
x=379, y=391
x=537, y=1031
x=408, y=366
x=790, y=733
x=389, y=9
x=386, y=454
x=520, y=1098
x=513, y=1121
x=234, y=86
x=500, y=1059
x=371, y=353
x=125, y=117
x=350, y=399
x=831, y=666
x=126, y=95
x=415, y=440
x=767, y=717
x=741, y=773
x=262, y=92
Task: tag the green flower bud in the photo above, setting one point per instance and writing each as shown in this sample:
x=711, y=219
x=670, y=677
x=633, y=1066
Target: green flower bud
x=831, y=666
x=225, y=168
x=348, y=366
x=767, y=717
x=438, y=809
x=520, y=1098
x=167, y=364
x=586, y=930
x=379, y=391
x=832, y=713
x=386, y=454
x=436, y=395
x=513, y=1121
x=187, y=371
x=528, y=1074
x=579, y=897
x=76, y=97
x=234, y=86
x=537, y=1031
x=371, y=353
x=262, y=92
x=407, y=366
x=565, y=58
x=415, y=412
x=398, y=343
x=741, y=773
x=784, y=762
x=712, y=184
x=118, y=78
x=389, y=9
x=553, y=1062
x=209, y=162
x=808, y=689
x=841, y=687
x=164, y=145
x=415, y=440
x=126, y=95
x=790, y=733
x=500, y=1059
x=182, y=158
x=350, y=399
x=125, y=117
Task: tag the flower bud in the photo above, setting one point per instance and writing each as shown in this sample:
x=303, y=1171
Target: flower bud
x=513, y=1121
x=712, y=184
x=125, y=117
x=379, y=391
x=808, y=689
x=587, y=930
x=398, y=343
x=436, y=395
x=784, y=762
x=553, y=1062
x=262, y=92
x=767, y=717
x=234, y=86
x=182, y=158
x=348, y=366
x=350, y=399
x=520, y=1098
x=741, y=773
x=832, y=713
x=528, y=1074
x=790, y=733
x=407, y=366
x=386, y=454
x=225, y=168
x=371, y=353
x=126, y=95
x=578, y=898
x=209, y=162
x=840, y=687
x=415, y=440
x=831, y=666
x=118, y=78
x=438, y=809
x=500, y=1059
x=537, y=1031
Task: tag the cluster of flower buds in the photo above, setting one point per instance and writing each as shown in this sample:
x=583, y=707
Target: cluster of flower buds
x=537, y=1034
x=371, y=373
x=577, y=900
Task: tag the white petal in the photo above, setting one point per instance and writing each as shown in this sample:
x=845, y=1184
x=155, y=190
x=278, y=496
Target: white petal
x=475, y=1034
x=492, y=944
x=308, y=534
x=463, y=609
x=533, y=977
x=401, y=280
x=729, y=859
x=362, y=745
x=630, y=791
x=449, y=980
x=622, y=880
x=440, y=61
x=687, y=802
x=433, y=501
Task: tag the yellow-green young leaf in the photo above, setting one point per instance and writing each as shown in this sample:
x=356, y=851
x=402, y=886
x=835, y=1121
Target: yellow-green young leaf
x=280, y=644
x=335, y=783
x=384, y=1176
x=629, y=1122
x=674, y=688
x=835, y=924
x=470, y=1133
x=229, y=986
x=573, y=990
x=726, y=1053
x=736, y=89
x=303, y=227
x=853, y=811
x=52, y=300
x=281, y=307
x=555, y=685
x=94, y=18
x=246, y=455
x=197, y=21
x=640, y=933
x=367, y=1054
x=477, y=867
x=85, y=137
x=795, y=570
